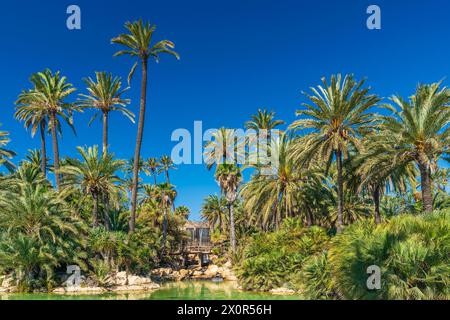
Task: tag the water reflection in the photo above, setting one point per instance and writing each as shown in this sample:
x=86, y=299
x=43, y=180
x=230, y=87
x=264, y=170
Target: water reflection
x=186, y=290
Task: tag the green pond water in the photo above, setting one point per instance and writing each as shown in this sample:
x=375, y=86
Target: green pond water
x=187, y=290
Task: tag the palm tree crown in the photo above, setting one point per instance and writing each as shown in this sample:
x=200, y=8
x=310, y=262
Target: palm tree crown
x=105, y=95
x=418, y=131
x=337, y=118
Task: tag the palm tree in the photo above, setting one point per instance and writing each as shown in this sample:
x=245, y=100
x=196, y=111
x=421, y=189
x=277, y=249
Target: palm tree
x=418, y=131
x=272, y=197
x=183, y=211
x=214, y=211
x=263, y=120
x=6, y=154
x=337, y=119
x=166, y=165
x=34, y=158
x=152, y=167
x=376, y=173
x=36, y=118
x=229, y=177
x=165, y=195
x=97, y=177
x=138, y=44
x=47, y=101
x=224, y=148
x=39, y=231
x=105, y=95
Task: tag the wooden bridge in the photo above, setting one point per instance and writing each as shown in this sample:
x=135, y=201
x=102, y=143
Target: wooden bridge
x=194, y=247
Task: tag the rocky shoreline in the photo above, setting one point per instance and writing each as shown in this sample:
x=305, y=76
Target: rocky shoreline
x=121, y=282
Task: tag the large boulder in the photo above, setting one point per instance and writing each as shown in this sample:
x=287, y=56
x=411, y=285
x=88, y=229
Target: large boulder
x=212, y=271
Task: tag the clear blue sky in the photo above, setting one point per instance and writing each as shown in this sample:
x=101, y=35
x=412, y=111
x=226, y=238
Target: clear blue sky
x=237, y=56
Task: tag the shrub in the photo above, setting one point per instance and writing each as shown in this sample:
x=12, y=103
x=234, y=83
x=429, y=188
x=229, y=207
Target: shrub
x=411, y=251
x=315, y=279
x=270, y=258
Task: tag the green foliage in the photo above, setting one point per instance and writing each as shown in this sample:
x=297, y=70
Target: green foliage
x=315, y=279
x=270, y=258
x=38, y=232
x=412, y=252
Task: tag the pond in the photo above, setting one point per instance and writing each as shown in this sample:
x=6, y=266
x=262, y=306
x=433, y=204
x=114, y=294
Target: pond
x=186, y=290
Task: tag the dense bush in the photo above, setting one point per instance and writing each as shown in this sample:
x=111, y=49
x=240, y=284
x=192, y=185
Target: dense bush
x=412, y=252
x=270, y=258
x=314, y=280
x=39, y=234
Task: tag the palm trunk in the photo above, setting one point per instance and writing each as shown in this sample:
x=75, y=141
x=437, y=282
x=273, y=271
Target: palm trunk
x=167, y=177
x=55, y=150
x=168, y=182
x=425, y=181
x=137, y=152
x=95, y=209
x=105, y=133
x=309, y=220
x=44, y=149
x=154, y=179
x=106, y=214
x=376, y=201
x=340, y=190
x=164, y=231
x=232, y=230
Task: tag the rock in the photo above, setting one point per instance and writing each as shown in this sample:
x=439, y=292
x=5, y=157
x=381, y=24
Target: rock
x=143, y=287
x=211, y=272
x=137, y=281
x=120, y=279
x=81, y=290
x=7, y=281
x=197, y=274
x=59, y=290
x=228, y=275
x=282, y=291
x=183, y=274
x=227, y=265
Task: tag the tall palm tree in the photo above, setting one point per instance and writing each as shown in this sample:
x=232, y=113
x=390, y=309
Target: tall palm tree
x=6, y=154
x=273, y=196
x=152, y=167
x=166, y=164
x=165, y=195
x=229, y=177
x=105, y=95
x=224, y=148
x=138, y=44
x=337, y=118
x=48, y=100
x=214, y=211
x=419, y=132
x=95, y=176
x=36, y=118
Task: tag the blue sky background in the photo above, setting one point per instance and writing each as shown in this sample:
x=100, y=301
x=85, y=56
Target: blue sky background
x=237, y=56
